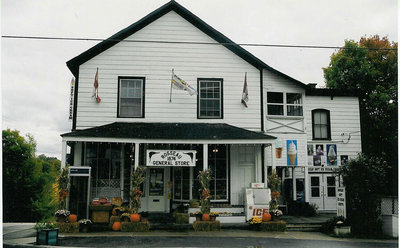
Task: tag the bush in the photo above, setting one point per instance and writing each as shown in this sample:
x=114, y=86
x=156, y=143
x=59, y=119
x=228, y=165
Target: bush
x=365, y=180
x=297, y=208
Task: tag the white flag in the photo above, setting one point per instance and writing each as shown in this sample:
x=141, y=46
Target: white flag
x=179, y=84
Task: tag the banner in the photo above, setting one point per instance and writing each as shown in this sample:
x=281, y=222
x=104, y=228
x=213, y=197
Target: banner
x=245, y=93
x=179, y=84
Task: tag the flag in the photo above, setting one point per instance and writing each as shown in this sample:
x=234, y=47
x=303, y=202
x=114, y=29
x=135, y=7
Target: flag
x=245, y=94
x=179, y=84
x=96, y=86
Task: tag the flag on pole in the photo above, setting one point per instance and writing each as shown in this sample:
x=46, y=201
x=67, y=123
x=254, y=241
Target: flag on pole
x=179, y=84
x=245, y=94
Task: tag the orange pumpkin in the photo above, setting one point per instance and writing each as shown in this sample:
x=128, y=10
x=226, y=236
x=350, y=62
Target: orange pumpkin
x=72, y=218
x=206, y=217
x=266, y=217
x=116, y=226
x=135, y=217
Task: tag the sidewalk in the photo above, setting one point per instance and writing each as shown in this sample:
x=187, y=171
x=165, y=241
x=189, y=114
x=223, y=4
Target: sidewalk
x=10, y=241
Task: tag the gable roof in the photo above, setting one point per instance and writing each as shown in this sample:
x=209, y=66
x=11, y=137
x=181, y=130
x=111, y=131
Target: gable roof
x=74, y=63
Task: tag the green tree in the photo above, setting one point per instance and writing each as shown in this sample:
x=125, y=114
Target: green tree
x=27, y=186
x=370, y=66
x=364, y=178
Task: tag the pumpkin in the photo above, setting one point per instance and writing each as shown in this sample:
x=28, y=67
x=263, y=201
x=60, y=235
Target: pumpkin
x=206, y=217
x=116, y=226
x=135, y=217
x=266, y=217
x=72, y=218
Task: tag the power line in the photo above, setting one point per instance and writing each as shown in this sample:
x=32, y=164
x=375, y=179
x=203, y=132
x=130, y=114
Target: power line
x=188, y=42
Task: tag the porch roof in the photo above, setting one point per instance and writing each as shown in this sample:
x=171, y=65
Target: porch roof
x=169, y=131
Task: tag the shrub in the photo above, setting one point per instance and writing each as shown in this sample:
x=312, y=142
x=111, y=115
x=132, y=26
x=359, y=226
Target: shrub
x=365, y=180
x=328, y=226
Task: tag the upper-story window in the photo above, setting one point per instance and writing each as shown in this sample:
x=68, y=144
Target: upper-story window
x=210, y=99
x=321, y=124
x=131, y=97
x=284, y=104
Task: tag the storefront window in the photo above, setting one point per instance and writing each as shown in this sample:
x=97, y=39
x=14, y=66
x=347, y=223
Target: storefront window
x=217, y=163
x=181, y=183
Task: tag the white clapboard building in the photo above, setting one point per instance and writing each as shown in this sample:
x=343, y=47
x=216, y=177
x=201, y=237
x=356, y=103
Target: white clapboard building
x=126, y=114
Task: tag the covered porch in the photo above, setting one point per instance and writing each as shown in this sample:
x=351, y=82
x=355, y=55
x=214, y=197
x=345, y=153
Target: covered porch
x=237, y=157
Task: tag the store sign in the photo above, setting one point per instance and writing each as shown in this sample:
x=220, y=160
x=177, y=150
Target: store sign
x=83, y=171
x=322, y=169
x=341, y=201
x=178, y=158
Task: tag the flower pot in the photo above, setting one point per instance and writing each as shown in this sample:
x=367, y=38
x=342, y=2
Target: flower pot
x=47, y=237
x=342, y=230
x=213, y=218
x=275, y=218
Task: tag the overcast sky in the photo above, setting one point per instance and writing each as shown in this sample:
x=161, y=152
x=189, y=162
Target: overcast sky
x=36, y=82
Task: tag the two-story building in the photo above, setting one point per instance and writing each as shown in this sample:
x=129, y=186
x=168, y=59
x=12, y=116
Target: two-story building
x=134, y=117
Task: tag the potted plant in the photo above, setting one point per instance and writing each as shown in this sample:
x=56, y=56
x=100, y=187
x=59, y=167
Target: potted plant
x=213, y=216
x=276, y=214
x=255, y=222
x=198, y=215
x=204, y=178
x=84, y=225
x=137, y=178
x=341, y=229
x=46, y=233
x=61, y=215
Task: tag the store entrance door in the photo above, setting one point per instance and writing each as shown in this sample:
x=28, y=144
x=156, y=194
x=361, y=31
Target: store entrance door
x=156, y=195
x=323, y=191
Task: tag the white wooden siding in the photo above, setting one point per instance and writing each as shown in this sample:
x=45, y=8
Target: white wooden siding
x=154, y=61
x=281, y=124
x=344, y=119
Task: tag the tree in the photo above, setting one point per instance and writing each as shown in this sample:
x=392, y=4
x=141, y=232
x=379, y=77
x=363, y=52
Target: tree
x=27, y=180
x=364, y=178
x=370, y=66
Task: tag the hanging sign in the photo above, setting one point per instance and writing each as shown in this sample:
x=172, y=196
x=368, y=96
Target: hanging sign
x=178, y=158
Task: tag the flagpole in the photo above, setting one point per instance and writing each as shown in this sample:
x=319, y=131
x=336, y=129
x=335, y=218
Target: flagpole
x=170, y=91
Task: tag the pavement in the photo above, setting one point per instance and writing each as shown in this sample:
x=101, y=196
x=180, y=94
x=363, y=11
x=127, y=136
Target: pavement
x=23, y=235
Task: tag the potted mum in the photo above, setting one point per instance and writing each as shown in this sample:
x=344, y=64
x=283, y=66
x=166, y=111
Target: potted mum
x=46, y=233
x=62, y=215
x=84, y=225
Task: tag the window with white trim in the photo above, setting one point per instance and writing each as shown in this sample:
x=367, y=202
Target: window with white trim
x=284, y=104
x=131, y=97
x=321, y=124
x=210, y=98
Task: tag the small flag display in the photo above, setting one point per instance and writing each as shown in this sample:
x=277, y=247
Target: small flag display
x=179, y=84
x=245, y=94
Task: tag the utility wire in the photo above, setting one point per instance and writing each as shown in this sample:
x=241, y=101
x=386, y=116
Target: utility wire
x=188, y=42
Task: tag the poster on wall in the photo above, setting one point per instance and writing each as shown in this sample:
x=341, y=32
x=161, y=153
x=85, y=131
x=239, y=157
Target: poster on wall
x=310, y=154
x=278, y=148
x=317, y=160
x=344, y=159
x=332, y=154
x=319, y=150
x=291, y=148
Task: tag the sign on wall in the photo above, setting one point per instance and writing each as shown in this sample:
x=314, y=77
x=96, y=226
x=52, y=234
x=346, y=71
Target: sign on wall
x=341, y=201
x=291, y=148
x=180, y=158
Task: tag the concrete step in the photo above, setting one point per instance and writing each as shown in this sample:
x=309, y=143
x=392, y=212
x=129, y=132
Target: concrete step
x=304, y=227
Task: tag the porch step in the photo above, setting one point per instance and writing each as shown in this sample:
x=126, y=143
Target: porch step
x=304, y=227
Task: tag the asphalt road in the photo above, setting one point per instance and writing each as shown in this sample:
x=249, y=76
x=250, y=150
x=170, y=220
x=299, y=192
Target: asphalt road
x=212, y=242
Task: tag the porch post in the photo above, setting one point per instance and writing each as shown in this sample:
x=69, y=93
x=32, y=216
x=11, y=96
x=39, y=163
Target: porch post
x=265, y=167
x=63, y=153
x=294, y=183
x=306, y=184
x=137, y=154
x=273, y=157
x=205, y=157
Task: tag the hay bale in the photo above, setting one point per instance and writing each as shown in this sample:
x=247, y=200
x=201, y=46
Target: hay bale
x=273, y=226
x=199, y=226
x=135, y=226
x=181, y=218
x=67, y=227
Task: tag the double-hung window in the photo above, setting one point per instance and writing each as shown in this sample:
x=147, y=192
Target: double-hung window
x=210, y=99
x=284, y=104
x=321, y=124
x=131, y=97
